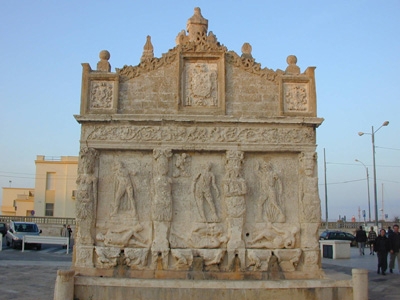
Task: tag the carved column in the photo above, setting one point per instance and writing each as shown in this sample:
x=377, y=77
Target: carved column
x=310, y=210
x=235, y=190
x=161, y=206
x=86, y=206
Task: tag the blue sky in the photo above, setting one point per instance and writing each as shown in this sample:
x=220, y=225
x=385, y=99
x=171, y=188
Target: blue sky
x=355, y=46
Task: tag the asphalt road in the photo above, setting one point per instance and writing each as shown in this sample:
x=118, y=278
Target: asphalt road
x=31, y=274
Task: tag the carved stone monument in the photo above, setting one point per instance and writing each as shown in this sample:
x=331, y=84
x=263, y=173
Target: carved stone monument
x=198, y=175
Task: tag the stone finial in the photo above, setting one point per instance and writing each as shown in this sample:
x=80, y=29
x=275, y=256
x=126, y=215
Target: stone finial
x=246, y=50
x=148, y=50
x=103, y=65
x=196, y=25
x=292, y=68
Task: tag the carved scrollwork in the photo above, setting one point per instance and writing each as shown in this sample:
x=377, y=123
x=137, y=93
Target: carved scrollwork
x=147, y=65
x=249, y=135
x=248, y=64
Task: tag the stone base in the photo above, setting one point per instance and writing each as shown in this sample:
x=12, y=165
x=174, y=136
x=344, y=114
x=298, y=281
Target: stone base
x=333, y=287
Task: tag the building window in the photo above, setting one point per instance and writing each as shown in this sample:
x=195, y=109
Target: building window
x=49, y=210
x=50, y=181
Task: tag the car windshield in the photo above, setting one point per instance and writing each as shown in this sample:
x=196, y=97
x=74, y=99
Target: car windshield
x=26, y=227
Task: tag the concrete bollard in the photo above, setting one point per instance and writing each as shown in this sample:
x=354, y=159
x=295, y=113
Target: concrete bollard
x=64, y=289
x=360, y=284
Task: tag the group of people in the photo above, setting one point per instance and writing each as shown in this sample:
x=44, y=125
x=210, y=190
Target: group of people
x=383, y=244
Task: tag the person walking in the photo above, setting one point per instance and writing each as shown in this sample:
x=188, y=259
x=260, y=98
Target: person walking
x=361, y=238
x=64, y=233
x=371, y=238
x=69, y=233
x=382, y=247
x=394, y=239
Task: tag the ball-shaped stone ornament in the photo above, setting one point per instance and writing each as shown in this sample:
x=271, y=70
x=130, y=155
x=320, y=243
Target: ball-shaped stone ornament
x=104, y=55
x=291, y=60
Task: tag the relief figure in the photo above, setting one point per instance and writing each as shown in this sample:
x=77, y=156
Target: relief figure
x=87, y=196
x=123, y=186
x=272, y=237
x=310, y=202
x=270, y=202
x=122, y=236
x=235, y=189
x=202, y=189
x=162, y=197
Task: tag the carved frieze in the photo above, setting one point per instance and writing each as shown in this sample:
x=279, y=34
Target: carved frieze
x=201, y=134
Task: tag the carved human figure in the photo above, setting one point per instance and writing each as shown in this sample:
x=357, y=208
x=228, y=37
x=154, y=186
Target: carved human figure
x=310, y=203
x=270, y=202
x=123, y=186
x=161, y=207
x=235, y=189
x=272, y=237
x=121, y=236
x=87, y=196
x=202, y=186
x=162, y=198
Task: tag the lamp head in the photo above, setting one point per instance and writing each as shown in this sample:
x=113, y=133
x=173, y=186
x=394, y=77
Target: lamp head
x=361, y=133
x=386, y=123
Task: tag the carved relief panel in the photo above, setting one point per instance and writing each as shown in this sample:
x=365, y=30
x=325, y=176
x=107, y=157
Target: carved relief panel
x=202, y=84
x=297, y=95
x=99, y=92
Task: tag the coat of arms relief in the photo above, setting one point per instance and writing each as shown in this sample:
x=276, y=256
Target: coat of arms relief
x=201, y=87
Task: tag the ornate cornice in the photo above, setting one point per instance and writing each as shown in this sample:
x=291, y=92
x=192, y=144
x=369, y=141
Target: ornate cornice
x=249, y=64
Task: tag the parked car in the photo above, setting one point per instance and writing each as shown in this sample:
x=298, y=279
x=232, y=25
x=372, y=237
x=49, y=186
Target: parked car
x=3, y=229
x=16, y=232
x=339, y=235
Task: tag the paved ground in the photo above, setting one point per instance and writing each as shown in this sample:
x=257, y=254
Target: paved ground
x=380, y=287
x=23, y=278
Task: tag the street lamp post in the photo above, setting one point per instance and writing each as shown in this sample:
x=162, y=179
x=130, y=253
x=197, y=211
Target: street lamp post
x=386, y=123
x=369, y=198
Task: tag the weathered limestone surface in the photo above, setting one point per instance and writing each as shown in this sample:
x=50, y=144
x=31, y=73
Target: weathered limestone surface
x=198, y=165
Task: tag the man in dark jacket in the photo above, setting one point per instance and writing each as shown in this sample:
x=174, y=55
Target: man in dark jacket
x=361, y=238
x=394, y=239
x=382, y=247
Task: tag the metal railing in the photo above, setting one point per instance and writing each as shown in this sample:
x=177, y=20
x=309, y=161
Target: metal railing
x=355, y=225
x=38, y=220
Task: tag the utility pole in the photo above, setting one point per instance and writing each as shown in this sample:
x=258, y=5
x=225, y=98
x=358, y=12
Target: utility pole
x=326, y=194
